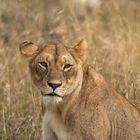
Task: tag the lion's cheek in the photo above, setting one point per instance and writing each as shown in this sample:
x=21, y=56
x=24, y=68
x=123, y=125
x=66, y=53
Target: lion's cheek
x=37, y=80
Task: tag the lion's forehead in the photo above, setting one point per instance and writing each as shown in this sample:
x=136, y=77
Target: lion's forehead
x=55, y=49
x=55, y=52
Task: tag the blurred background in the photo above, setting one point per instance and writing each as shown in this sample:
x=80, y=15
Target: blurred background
x=111, y=28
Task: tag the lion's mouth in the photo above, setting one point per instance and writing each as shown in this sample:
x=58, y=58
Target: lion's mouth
x=51, y=94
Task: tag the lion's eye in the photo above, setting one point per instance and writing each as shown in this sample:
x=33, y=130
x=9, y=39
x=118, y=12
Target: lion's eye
x=67, y=67
x=43, y=65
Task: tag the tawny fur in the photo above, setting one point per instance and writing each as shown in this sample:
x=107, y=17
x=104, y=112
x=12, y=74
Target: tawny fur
x=90, y=109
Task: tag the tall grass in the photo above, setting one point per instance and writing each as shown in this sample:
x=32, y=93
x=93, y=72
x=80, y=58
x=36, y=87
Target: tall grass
x=112, y=31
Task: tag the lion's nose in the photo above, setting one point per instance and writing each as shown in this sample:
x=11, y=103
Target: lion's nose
x=54, y=85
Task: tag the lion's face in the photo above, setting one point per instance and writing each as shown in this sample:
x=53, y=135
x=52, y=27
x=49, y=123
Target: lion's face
x=56, y=70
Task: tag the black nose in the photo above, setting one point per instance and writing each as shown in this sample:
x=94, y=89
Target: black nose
x=54, y=85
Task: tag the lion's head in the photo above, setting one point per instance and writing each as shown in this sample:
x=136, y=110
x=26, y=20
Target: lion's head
x=56, y=70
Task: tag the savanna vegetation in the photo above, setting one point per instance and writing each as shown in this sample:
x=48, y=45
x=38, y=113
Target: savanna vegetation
x=111, y=28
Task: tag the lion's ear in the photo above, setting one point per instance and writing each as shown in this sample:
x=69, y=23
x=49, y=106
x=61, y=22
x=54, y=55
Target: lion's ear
x=80, y=49
x=28, y=49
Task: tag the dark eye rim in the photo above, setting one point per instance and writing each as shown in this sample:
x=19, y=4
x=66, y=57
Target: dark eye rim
x=43, y=64
x=67, y=66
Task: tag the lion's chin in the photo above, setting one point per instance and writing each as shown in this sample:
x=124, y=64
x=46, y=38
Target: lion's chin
x=51, y=99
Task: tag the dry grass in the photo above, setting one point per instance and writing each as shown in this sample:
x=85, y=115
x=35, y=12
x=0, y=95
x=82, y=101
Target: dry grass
x=112, y=31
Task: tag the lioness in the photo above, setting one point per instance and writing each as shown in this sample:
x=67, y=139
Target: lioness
x=79, y=103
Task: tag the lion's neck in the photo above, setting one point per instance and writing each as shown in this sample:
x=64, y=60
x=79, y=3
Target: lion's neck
x=68, y=101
